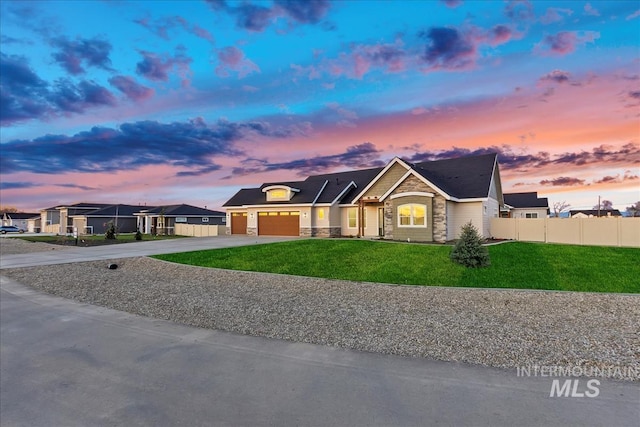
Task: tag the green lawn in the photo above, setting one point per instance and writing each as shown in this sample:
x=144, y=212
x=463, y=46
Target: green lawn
x=513, y=265
x=93, y=240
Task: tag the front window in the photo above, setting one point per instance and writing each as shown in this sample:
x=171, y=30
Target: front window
x=320, y=214
x=412, y=215
x=531, y=215
x=352, y=215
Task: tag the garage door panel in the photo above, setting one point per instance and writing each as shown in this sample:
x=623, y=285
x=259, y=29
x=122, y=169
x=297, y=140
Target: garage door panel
x=279, y=223
x=239, y=223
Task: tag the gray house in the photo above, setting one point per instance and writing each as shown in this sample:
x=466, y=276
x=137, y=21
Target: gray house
x=162, y=219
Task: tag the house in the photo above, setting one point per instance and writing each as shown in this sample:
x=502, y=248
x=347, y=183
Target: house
x=58, y=219
x=96, y=221
x=93, y=218
x=428, y=201
x=524, y=205
x=591, y=213
x=162, y=219
x=22, y=220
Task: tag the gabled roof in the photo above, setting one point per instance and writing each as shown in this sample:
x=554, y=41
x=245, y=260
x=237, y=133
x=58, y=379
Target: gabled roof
x=594, y=212
x=21, y=215
x=463, y=177
x=112, y=211
x=325, y=188
x=180, y=210
x=525, y=200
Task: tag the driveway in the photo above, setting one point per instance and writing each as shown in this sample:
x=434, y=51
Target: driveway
x=68, y=254
x=66, y=363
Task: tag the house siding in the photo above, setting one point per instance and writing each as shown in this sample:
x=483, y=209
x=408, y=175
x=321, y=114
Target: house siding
x=418, y=234
x=461, y=213
x=386, y=181
x=492, y=211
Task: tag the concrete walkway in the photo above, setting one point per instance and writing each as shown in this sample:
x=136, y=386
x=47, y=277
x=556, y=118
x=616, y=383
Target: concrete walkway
x=69, y=254
x=65, y=363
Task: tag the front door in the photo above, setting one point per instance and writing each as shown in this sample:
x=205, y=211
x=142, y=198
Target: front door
x=381, y=222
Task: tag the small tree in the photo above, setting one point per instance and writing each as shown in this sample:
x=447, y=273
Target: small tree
x=110, y=233
x=138, y=235
x=469, y=251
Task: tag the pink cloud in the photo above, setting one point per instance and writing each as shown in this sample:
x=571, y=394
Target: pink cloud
x=233, y=59
x=566, y=42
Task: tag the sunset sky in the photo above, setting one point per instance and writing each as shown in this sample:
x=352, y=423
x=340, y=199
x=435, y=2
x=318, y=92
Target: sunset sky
x=163, y=102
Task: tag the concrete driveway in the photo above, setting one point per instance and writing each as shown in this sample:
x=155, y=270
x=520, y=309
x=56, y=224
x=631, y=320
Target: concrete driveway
x=71, y=364
x=68, y=254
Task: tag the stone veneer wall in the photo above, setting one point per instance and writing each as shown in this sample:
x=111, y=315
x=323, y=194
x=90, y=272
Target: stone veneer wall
x=252, y=231
x=439, y=219
x=320, y=232
x=439, y=209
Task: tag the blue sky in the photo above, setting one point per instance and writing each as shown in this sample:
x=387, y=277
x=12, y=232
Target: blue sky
x=186, y=102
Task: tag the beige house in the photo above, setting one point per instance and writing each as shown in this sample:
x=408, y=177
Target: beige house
x=427, y=201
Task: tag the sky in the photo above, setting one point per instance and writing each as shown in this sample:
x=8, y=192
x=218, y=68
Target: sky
x=156, y=103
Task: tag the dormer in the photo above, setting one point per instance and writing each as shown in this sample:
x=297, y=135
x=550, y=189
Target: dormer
x=279, y=193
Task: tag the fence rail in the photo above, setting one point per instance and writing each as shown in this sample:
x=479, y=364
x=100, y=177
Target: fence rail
x=574, y=231
x=197, y=230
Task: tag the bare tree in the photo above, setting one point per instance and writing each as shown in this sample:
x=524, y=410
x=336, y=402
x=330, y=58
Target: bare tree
x=559, y=207
x=605, y=205
x=634, y=210
x=8, y=209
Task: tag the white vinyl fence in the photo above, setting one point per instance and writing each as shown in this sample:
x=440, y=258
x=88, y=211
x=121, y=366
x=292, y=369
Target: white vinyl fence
x=605, y=231
x=197, y=230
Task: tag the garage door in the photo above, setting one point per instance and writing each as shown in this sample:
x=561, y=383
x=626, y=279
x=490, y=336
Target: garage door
x=279, y=223
x=239, y=223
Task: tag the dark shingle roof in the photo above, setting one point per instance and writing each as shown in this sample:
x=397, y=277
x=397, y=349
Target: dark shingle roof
x=462, y=177
x=594, y=212
x=525, y=200
x=182, y=210
x=110, y=211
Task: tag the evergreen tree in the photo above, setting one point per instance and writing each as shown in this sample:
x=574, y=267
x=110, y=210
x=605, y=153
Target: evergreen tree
x=469, y=251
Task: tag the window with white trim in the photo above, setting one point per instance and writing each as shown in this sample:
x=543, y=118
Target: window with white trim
x=321, y=214
x=531, y=215
x=412, y=215
x=352, y=216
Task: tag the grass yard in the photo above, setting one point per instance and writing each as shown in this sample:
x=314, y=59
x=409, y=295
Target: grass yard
x=93, y=240
x=513, y=265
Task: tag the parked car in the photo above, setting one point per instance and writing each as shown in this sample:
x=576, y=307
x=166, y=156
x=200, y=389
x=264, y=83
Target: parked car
x=10, y=229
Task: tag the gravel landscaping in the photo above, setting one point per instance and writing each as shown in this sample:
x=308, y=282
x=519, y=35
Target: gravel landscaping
x=498, y=328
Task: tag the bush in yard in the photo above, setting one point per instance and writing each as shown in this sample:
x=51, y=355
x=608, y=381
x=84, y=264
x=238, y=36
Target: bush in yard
x=469, y=251
x=110, y=233
x=138, y=235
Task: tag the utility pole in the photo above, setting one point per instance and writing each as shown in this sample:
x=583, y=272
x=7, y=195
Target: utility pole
x=598, y=206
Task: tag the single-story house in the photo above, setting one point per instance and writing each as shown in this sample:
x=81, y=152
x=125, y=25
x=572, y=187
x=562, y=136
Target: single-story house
x=96, y=221
x=162, y=219
x=59, y=219
x=23, y=220
x=591, y=213
x=524, y=205
x=428, y=201
x=92, y=218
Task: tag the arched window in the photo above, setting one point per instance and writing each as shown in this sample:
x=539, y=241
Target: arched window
x=412, y=215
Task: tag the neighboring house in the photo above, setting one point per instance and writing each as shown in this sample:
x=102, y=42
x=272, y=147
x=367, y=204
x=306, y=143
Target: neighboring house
x=58, y=219
x=162, y=219
x=591, y=213
x=524, y=205
x=97, y=220
x=427, y=201
x=93, y=218
x=22, y=220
